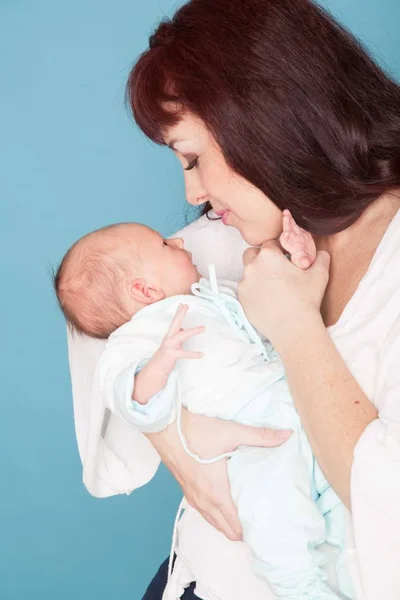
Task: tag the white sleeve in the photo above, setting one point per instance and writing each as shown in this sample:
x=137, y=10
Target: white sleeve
x=120, y=445
x=118, y=384
x=375, y=484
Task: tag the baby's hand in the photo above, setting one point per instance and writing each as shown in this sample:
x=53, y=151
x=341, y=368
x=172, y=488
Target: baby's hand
x=154, y=375
x=170, y=350
x=298, y=242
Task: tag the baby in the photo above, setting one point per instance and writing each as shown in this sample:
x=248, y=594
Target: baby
x=128, y=283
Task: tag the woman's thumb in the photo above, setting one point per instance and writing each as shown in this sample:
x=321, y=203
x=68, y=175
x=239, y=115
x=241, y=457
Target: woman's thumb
x=323, y=260
x=249, y=255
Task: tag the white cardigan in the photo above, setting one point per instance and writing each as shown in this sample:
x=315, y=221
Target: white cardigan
x=368, y=337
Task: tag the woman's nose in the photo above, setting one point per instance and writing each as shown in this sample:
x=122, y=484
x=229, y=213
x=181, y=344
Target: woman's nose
x=195, y=193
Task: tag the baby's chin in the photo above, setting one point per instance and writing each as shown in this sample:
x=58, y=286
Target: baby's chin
x=187, y=283
x=198, y=276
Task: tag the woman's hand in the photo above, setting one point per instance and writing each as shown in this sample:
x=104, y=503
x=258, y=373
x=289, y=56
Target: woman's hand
x=276, y=295
x=206, y=487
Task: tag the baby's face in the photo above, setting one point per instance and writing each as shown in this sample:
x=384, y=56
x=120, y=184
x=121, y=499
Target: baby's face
x=165, y=261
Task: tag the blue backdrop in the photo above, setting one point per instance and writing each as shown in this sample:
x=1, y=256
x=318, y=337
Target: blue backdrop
x=70, y=161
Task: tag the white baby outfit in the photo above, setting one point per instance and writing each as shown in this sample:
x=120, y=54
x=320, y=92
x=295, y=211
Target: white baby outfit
x=281, y=494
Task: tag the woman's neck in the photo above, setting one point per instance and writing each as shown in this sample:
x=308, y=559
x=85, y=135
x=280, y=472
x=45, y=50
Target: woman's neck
x=351, y=253
x=377, y=217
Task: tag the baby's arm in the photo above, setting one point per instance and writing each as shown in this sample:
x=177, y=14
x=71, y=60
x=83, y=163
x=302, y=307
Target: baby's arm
x=140, y=385
x=153, y=377
x=298, y=242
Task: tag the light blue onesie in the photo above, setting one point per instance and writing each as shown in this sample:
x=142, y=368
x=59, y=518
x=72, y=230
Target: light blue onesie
x=286, y=506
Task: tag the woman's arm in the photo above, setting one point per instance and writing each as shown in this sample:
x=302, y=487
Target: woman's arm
x=283, y=302
x=333, y=408
x=206, y=487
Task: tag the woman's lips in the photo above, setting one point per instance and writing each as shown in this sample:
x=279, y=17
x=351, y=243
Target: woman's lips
x=225, y=217
x=224, y=214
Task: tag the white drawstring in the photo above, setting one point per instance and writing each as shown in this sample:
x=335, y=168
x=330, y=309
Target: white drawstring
x=196, y=457
x=232, y=311
x=182, y=507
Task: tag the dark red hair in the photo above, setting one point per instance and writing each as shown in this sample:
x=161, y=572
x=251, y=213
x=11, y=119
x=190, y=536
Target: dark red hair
x=297, y=106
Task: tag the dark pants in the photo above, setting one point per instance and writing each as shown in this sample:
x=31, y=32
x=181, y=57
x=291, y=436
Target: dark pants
x=157, y=586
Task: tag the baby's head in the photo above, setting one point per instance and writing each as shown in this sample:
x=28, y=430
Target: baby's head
x=110, y=274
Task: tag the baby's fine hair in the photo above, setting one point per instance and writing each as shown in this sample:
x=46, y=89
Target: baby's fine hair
x=89, y=283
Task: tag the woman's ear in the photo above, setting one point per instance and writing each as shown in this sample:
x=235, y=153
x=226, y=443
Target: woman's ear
x=145, y=292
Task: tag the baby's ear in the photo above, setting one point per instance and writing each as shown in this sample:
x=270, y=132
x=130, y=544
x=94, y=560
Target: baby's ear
x=144, y=292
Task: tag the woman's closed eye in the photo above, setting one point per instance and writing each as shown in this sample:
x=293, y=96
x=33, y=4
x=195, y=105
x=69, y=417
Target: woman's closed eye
x=192, y=164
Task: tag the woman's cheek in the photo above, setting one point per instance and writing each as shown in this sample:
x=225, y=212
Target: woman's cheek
x=216, y=185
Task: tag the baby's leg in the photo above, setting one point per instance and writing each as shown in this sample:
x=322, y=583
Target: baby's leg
x=281, y=523
x=298, y=242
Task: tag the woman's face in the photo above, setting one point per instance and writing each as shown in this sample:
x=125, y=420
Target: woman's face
x=209, y=178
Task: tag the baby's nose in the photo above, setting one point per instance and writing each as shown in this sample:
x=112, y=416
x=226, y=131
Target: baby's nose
x=179, y=242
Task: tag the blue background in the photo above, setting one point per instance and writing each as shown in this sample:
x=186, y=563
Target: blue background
x=70, y=161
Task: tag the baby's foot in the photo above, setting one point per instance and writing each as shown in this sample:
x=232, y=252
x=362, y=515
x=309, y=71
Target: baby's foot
x=298, y=242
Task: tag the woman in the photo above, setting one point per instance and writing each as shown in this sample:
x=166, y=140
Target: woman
x=269, y=105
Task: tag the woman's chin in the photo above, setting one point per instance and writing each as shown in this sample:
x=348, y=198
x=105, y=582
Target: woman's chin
x=255, y=237
x=251, y=237
x=252, y=233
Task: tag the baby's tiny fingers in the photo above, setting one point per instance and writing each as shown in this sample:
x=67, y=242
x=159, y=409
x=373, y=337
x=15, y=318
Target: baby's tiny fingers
x=285, y=237
x=292, y=224
x=296, y=228
x=177, y=321
x=185, y=334
x=286, y=223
